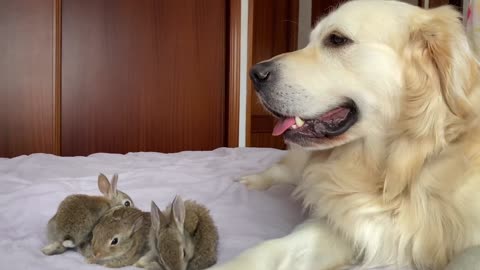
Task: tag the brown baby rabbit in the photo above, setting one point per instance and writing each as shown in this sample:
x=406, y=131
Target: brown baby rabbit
x=76, y=216
x=184, y=237
x=120, y=238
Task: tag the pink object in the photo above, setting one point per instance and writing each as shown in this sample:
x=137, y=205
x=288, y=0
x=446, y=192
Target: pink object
x=337, y=113
x=282, y=126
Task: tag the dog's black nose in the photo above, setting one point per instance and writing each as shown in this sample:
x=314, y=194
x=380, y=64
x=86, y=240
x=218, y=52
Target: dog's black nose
x=260, y=73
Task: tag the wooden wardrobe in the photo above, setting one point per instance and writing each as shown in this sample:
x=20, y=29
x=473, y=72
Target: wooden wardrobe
x=85, y=76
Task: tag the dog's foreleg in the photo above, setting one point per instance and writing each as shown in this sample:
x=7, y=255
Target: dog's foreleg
x=287, y=171
x=311, y=246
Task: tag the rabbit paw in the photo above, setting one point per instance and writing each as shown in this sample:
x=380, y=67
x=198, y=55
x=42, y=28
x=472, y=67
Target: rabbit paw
x=145, y=260
x=90, y=260
x=53, y=248
x=256, y=182
x=153, y=266
x=68, y=244
x=140, y=263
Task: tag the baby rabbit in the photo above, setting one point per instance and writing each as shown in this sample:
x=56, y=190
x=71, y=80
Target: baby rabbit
x=185, y=237
x=77, y=215
x=120, y=238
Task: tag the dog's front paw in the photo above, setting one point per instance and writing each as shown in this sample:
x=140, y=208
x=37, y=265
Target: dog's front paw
x=256, y=182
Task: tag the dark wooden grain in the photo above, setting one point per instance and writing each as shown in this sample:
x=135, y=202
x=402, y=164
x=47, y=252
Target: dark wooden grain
x=262, y=123
x=320, y=8
x=143, y=75
x=57, y=75
x=27, y=91
x=234, y=72
x=437, y=3
x=248, y=116
x=274, y=26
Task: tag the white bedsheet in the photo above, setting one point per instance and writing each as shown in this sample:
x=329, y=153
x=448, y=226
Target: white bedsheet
x=31, y=188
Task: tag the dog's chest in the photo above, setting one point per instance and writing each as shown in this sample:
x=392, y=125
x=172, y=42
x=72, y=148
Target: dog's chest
x=421, y=225
x=356, y=215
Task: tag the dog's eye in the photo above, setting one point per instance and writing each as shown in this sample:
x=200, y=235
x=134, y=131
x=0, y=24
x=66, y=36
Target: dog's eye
x=335, y=40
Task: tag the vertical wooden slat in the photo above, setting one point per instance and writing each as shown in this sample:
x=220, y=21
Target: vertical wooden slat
x=234, y=73
x=248, y=123
x=57, y=76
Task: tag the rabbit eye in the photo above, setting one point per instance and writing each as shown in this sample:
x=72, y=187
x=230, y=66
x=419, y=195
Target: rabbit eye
x=114, y=241
x=127, y=203
x=184, y=253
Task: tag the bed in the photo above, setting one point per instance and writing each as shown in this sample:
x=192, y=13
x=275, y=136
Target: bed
x=32, y=186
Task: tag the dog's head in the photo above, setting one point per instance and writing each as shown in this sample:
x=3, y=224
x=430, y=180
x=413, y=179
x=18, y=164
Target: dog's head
x=369, y=65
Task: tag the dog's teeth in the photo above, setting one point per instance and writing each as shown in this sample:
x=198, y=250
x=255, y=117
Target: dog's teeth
x=299, y=121
x=294, y=127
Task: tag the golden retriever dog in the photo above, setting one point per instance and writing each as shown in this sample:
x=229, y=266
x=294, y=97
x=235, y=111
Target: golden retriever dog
x=381, y=112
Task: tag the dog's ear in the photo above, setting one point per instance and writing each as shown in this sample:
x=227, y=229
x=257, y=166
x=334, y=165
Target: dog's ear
x=440, y=72
x=440, y=51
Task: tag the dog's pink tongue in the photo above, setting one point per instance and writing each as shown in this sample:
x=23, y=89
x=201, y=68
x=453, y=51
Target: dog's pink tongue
x=282, y=126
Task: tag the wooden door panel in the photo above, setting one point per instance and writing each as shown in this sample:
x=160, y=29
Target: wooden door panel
x=143, y=75
x=27, y=88
x=321, y=8
x=274, y=31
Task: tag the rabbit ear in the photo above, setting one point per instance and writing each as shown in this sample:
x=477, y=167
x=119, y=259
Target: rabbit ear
x=137, y=225
x=178, y=212
x=103, y=185
x=155, y=215
x=113, y=187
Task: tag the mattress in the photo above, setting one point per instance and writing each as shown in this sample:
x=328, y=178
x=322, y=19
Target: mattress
x=31, y=187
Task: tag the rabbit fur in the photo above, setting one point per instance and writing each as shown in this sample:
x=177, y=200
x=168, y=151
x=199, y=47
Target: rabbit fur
x=77, y=215
x=120, y=238
x=182, y=237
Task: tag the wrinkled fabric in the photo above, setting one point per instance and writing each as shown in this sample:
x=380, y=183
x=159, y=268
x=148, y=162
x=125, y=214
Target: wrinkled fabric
x=31, y=187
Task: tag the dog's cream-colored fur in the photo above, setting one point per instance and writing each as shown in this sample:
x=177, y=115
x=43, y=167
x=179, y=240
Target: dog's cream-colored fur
x=402, y=186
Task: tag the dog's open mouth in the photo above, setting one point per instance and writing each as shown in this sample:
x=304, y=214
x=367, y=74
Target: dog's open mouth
x=328, y=125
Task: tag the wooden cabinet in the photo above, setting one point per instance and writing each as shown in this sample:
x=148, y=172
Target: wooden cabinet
x=27, y=77
x=143, y=75
x=119, y=76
